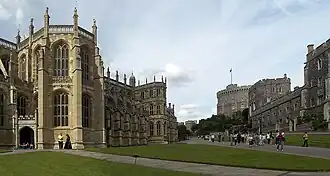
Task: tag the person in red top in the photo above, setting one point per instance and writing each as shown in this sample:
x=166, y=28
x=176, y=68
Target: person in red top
x=280, y=142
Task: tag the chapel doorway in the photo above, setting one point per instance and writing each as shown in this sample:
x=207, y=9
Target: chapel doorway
x=26, y=135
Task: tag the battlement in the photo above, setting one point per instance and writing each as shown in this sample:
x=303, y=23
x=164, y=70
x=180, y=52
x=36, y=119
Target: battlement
x=7, y=44
x=314, y=52
x=56, y=29
x=273, y=81
x=132, y=82
x=26, y=117
x=233, y=88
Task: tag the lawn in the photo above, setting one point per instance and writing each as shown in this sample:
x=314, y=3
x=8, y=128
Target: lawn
x=56, y=163
x=4, y=151
x=314, y=140
x=223, y=156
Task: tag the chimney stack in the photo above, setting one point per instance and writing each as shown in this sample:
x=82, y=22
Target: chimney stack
x=310, y=48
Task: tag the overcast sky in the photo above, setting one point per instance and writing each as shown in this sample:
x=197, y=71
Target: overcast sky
x=192, y=42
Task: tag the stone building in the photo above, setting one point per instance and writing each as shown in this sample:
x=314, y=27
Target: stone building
x=190, y=123
x=232, y=99
x=53, y=82
x=312, y=99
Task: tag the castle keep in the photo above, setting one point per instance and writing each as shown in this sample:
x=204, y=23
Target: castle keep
x=54, y=82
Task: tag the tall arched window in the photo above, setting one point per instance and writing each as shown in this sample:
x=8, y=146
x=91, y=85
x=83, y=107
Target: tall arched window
x=36, y=64
x=158, y=128
x=61, y=60
x=158, y=109
x=2, y=109
x=85, y=64
x=151, y=128
x=151, y=109
x=165, y=128
x=22, y=68
x=86, y=111
x=61, y=109
x=21, y=106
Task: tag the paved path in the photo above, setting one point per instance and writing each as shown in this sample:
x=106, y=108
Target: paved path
x=202, y=169
x=296, y=150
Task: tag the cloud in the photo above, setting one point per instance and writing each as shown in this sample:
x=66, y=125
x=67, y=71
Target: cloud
x=193, y=43
x=4, y=14
x=176, y=76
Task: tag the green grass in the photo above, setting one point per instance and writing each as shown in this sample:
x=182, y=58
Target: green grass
x=60, y=164
x=4, y=151
x=314, y=140
x=223, y=156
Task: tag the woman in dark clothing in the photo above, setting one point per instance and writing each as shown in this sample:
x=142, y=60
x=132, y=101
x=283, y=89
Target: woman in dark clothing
x=67, y=142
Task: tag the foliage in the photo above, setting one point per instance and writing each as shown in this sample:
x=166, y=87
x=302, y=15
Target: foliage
x=318, y=121
x=220, y=123
x=319, y=124
x=220, y=155
x=183, y=133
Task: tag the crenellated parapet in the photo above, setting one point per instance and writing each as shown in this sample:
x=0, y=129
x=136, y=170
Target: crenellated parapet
x=26, y=117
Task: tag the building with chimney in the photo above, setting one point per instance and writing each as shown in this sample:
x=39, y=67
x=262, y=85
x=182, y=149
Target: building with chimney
x=274, y=106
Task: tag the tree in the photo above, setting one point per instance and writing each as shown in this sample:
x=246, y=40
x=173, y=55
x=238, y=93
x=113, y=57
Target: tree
x=183, y=133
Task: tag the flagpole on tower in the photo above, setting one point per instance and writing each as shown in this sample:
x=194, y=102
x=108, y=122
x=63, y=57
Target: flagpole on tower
x=231, y=76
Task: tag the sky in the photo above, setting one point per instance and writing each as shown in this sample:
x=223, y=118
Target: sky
x=194, y=43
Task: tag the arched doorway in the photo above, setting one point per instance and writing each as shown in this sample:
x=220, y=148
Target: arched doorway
x=26, y=135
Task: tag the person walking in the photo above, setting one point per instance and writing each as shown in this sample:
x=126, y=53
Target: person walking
x=305, y=137
x=268, y=138
x=280, y=142
x=60, y=141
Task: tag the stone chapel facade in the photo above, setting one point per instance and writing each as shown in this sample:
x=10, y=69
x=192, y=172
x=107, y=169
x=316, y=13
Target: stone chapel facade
x=54, y=82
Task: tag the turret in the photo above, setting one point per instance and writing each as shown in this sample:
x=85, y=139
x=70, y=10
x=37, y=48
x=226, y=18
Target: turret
x=18, y=38
x=75, y=22
x=31, y=31
x=117, y=75
x=125, y=79
x=94, y=29
x=132, y=80
x=46, y=23
x=108, y=72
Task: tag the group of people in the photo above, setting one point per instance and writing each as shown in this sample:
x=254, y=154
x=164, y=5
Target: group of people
x=257, y=139
x=25, y=146
x=67, y=142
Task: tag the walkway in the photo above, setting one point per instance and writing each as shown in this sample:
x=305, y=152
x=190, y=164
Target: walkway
x=296, y=150
x=202, y=169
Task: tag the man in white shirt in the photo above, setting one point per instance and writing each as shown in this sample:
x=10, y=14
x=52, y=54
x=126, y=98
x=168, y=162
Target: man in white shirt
x=60, y=141
x=268, y=138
